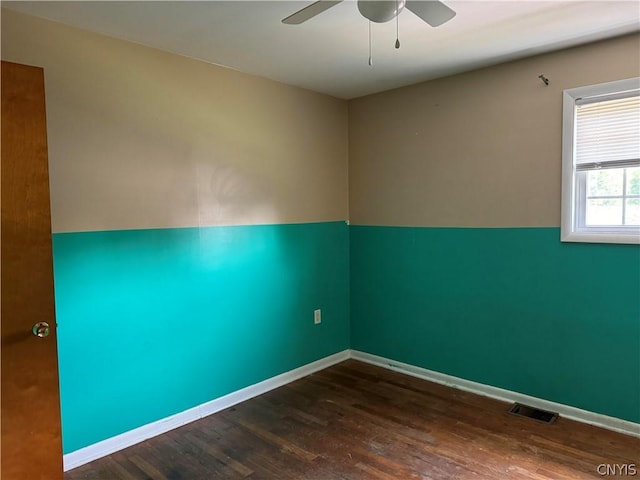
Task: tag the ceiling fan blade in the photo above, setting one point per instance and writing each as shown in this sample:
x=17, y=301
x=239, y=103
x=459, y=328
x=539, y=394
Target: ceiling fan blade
x=431, y=11
x=310, y=11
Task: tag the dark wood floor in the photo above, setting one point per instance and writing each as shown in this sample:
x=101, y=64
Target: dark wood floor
x=357, y=421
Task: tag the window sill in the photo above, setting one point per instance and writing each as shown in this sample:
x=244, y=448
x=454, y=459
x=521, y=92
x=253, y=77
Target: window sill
x=591, y=237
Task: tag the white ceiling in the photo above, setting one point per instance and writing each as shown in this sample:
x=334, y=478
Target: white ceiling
x=329, y=53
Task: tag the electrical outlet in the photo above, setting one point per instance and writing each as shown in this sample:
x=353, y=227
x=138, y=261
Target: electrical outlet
x=317, y=316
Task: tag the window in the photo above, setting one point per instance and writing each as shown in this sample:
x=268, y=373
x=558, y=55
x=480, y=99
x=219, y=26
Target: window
x=601, y=163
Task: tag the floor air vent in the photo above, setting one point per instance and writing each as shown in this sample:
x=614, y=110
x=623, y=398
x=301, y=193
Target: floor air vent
x=532, y=412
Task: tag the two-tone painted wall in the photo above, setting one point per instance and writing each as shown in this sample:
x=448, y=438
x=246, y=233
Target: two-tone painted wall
x=456, y=259
x=199, y=219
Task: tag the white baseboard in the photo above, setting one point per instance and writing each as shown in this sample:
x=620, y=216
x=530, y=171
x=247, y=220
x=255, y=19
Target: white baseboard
x=566, y=411
x=137, y=435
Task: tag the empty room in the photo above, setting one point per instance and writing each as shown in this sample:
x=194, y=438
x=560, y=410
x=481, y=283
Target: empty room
x=320, y=240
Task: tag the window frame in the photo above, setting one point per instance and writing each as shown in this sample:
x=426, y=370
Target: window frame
x=571, y=229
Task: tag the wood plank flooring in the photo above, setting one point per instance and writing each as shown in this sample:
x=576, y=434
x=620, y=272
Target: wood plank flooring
x=357, y=421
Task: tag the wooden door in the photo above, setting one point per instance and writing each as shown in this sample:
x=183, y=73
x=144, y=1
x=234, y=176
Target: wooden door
x=31, y=445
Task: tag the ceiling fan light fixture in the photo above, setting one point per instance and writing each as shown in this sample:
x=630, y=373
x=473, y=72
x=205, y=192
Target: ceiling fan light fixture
x=380, y=11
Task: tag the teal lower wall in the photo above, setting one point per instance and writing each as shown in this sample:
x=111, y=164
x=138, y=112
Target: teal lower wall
x=153, y=322
x=510, y=307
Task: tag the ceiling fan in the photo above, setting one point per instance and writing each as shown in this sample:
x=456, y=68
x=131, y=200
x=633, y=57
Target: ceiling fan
x=433, y=12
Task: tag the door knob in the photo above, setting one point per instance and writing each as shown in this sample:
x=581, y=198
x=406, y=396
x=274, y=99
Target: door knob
x=41, y=329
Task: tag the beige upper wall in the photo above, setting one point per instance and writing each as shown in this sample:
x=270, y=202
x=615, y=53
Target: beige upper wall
x=476, y=149
x=140, y=138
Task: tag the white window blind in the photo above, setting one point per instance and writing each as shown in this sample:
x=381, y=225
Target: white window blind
x=607, y=132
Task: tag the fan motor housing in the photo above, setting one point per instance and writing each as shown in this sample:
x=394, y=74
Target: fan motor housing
x=380, y=11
